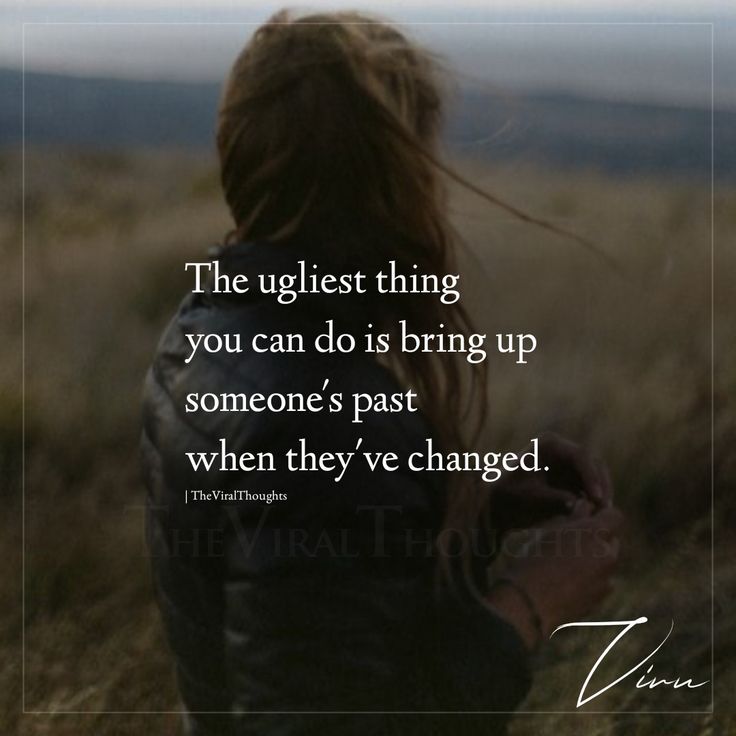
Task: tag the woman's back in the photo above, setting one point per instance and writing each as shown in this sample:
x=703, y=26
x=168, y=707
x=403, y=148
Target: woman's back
x=322, y=601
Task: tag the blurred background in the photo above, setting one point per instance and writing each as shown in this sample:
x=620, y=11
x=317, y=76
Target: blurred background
x=595, y=115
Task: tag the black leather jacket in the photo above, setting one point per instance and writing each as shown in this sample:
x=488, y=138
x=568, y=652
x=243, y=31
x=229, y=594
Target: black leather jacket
x=316, y=614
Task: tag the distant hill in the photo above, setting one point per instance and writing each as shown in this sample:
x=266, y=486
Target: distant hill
x=553, y=128
x=107, y=112
x=617, y=137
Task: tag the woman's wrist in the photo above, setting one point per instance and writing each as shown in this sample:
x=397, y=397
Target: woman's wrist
x=510, y=600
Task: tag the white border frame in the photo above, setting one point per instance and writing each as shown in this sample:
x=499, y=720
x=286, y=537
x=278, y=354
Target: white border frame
x=711, y=710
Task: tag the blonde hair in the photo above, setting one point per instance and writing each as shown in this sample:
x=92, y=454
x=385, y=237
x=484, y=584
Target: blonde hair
x=327, y=132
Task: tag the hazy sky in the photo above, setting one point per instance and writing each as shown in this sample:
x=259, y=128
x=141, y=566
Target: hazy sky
x=668, y=63
x=703, y=8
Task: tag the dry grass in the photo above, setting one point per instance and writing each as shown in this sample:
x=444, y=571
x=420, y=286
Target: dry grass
x=623, y=362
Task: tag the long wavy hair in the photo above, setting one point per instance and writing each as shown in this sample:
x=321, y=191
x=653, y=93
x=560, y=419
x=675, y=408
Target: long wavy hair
x=328, y=131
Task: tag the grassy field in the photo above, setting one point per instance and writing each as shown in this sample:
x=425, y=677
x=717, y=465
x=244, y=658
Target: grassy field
x=623, y=362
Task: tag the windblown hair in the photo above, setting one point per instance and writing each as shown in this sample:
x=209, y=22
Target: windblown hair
x=328, y=132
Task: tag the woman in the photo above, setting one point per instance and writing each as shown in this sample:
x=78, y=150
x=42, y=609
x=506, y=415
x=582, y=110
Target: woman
x=350, y=603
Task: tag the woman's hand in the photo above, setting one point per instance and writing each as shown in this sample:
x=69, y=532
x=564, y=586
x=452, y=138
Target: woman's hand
x=573, y=467
x=522, y=499
x=558, y=572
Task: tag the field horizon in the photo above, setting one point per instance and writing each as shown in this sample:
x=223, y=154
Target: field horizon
x=624, y=364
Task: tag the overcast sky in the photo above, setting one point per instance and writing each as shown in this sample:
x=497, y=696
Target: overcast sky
x=704, y=8
x=668, y=63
